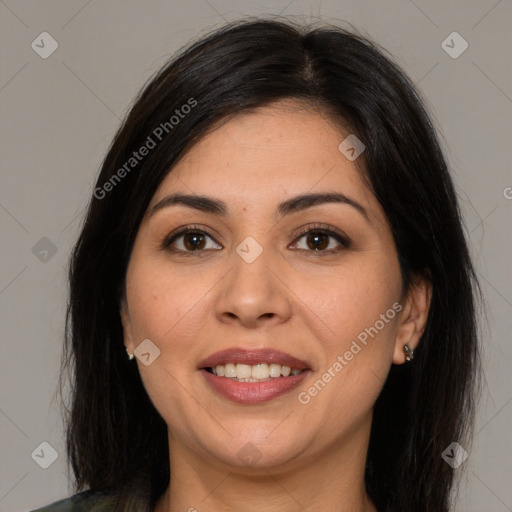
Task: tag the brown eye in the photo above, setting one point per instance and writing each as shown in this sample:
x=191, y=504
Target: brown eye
x=319, y=239
x=190, y=240
x=194, y=241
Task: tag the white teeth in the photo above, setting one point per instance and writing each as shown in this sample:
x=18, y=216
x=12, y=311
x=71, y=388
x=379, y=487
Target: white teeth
x=259, y=371
x=243, y=371
x=285, y=371
x=253, y=373
x=229, y=370
x=275, y=370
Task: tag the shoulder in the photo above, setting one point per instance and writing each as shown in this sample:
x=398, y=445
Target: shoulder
x=85, y=501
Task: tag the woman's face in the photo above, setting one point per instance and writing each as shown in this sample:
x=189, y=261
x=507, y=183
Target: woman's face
x=269, y=264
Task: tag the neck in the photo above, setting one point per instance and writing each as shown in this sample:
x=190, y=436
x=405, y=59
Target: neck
x=330, y=481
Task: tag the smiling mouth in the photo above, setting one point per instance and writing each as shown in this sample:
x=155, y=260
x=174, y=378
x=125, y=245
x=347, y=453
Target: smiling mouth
x=261, y=372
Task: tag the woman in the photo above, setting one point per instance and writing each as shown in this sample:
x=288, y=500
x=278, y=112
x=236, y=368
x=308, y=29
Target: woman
x=275, y=240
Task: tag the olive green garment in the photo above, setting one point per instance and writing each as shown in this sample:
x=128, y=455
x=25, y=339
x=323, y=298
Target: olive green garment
x=85, y=501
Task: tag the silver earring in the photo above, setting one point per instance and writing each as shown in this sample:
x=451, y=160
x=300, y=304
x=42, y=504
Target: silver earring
x=130, y=356
x=409, y=352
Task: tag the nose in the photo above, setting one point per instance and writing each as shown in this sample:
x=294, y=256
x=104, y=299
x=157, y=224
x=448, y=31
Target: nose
x=254, y=294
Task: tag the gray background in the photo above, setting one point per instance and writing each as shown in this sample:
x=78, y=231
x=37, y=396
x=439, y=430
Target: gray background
x=58, y=116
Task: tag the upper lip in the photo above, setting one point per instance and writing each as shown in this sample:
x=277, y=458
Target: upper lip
x=251, y=357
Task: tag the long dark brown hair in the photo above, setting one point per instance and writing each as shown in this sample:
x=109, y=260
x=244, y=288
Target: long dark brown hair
x=116, y=440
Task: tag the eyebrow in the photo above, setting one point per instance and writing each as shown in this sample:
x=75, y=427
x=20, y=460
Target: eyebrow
x=218, y=207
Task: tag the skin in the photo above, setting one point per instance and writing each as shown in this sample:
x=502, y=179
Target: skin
x=293, y=297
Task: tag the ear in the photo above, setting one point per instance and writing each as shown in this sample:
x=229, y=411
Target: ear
x=127, y=328
x=413, y=317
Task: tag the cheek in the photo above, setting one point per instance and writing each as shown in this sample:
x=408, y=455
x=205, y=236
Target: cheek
x=168, y=309
x=166, y=306
x=352, y=299
x=361, y=311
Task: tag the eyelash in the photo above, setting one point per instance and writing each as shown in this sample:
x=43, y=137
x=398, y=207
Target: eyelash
x=343, y=240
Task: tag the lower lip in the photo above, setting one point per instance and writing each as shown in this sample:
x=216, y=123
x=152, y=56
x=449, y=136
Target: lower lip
x=253, y=392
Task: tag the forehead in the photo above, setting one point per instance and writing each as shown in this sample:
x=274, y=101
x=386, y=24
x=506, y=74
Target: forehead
x=265, y=155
